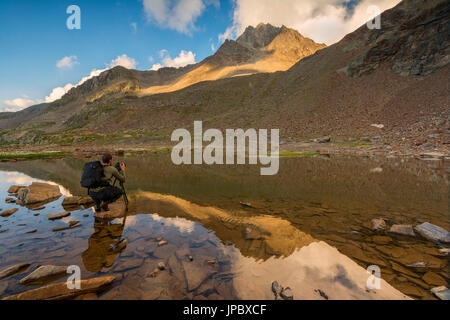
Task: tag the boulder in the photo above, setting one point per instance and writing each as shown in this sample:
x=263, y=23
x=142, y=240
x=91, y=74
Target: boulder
x=9, y=212
x=59, y=291
x=13, y=270
x=38, y=192
x=44, y=272
x=433, y=232
x=378, y=224
x=442, y=292
x=402, y=229
x=116, y=210
x=323, y=140
x=55, y=216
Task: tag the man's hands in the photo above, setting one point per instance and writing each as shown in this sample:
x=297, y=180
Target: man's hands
x=122, y=166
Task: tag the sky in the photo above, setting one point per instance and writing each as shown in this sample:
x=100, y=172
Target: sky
x=41, y=58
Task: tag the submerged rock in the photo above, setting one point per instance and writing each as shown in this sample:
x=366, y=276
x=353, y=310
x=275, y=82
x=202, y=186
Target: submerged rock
x=10, y=200
x=13, y=270
x=442, y=292
x=38, y=192
x=402, y=229
x=56, y=229
x=55, y=216
x=378, y=224
x=433, y=232
x=43, y=273
x=162, y=266
x=9, y=212
x=59, y=291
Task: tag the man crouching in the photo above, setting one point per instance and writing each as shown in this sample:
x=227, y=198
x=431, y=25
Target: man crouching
x=102, y=196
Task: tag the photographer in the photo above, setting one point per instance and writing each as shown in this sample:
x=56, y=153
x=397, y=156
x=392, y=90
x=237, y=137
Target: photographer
x=108, y=193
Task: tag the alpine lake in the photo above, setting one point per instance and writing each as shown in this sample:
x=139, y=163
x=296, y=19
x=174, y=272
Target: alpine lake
x=226, y=232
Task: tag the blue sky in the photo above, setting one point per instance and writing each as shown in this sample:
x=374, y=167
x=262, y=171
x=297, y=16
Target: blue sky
x=38, y=53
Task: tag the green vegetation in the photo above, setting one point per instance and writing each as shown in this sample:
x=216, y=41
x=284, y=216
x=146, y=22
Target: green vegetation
x=37, y=155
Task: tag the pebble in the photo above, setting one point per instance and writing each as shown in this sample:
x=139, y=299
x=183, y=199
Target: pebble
x=162, y=266
x=287, y=294
x=161, y=243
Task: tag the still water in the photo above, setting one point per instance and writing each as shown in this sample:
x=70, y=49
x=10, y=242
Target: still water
x=307, y=228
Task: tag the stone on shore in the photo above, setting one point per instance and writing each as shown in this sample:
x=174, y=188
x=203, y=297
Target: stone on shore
x=432, y=155
x=13, y=270
x=442, y=292
x=378, y=224
x=55, y=216
x=43, y=273
x=287, y=294
x=116, y=210
x=59, y=291
x=433, y=232
x=77, y=201
x=10, y=200
x=9, y=212
x=402, y=229
x=38, y=192
x=15, y=189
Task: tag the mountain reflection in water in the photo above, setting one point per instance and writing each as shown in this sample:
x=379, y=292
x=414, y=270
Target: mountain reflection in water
x=299, y=224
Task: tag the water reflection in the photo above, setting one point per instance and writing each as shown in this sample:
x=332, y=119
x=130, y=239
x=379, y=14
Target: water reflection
x=104, y=245
x=307, y=228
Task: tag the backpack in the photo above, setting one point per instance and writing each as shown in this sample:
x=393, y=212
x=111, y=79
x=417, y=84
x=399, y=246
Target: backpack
x=92, y=175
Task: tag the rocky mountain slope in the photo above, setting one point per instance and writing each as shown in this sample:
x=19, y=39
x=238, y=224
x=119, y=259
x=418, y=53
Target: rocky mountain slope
x=395, y=77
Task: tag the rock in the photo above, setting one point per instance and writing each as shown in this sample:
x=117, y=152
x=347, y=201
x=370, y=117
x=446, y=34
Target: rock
x=402, y=229
x=435, y=155
x=77, y=201
x=212, y=263
x=59, y=291
x=322, y=294
x=323, y=140
x=15, y=189
x=116, y=210
x=36, y=214
x=38, y=208
x=10, y=200
x=276, y=289
x=43, y=273
x=55, y=216
x=381, y=240
x=246, y=205
x=13, y=270
x=85, y=215
x=9, y=212
x=444, y=251
x=419, y=264
x=441, y=292
x=287, y=294
x=154, y=273
x=38, y=192
x=432, y=232
x=162, y=266
x=56, y=229
x=379, y=126
x=161, y=243
x=433, y=279
x=190, y=258
x=73, y=222
x=31, y=231
x=378, y=224
x=3, y=230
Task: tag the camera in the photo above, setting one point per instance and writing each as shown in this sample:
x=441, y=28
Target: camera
x=117, y=166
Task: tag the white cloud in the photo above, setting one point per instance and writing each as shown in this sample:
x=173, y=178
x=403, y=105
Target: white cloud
x=122, y=60
x=134, y=26
x=18, y=104
x=179, y=15
x=184, y=58
x=324, y=21
x=67, y=62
